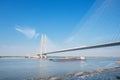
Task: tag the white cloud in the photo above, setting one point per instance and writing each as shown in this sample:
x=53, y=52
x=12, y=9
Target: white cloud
x=28, y=32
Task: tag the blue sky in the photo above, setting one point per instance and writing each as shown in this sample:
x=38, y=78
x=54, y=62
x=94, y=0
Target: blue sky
x=67, y=23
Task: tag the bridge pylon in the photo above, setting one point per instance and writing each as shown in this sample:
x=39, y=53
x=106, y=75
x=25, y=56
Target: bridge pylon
x=43, y=47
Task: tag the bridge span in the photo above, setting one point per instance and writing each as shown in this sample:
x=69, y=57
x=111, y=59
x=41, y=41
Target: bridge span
x=87, y=47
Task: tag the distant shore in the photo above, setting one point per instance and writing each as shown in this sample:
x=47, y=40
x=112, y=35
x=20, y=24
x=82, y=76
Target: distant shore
x=104, y=74
x=13, y=56
x=56, y=57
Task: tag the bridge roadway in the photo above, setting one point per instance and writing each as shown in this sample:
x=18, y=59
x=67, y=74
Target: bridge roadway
x=87, y=47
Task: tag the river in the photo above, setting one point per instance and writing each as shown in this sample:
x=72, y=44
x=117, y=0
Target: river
x=22, y=69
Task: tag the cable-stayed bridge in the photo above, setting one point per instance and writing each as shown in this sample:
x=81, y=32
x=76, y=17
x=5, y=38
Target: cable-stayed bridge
x=43, y=52
x=87, y=47
x=100, y=28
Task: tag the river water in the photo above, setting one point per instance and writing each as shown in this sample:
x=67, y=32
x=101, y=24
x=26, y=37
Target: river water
x=22, y=69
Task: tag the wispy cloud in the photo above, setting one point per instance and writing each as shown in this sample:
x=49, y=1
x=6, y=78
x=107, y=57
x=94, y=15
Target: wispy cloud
x=28, y=32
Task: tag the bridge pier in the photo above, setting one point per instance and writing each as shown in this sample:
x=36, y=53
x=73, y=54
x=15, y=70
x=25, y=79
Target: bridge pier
x=43, y=57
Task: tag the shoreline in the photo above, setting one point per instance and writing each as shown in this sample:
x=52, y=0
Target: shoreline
x=82, y=75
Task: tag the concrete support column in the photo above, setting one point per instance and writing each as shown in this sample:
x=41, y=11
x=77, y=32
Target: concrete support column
x=43, y=47
x=45, y=56
x=41, y=56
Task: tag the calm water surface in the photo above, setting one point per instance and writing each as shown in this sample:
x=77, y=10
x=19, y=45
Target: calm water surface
x=21, y=69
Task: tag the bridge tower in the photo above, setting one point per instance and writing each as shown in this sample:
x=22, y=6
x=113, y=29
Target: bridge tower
x=43, y=47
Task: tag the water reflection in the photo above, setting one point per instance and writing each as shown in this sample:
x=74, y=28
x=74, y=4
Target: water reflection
x=44, y=68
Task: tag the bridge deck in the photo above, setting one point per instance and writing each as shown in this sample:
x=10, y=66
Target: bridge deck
x=83, y=48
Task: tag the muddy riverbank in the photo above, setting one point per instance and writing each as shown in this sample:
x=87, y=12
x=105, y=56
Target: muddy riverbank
x=106, y=74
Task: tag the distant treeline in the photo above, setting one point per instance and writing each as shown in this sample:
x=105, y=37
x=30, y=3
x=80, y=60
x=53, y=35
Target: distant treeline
x=14, y=57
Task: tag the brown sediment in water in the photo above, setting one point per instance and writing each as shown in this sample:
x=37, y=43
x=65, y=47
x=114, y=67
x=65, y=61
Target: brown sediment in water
x=79, y=74
x=118, y=62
